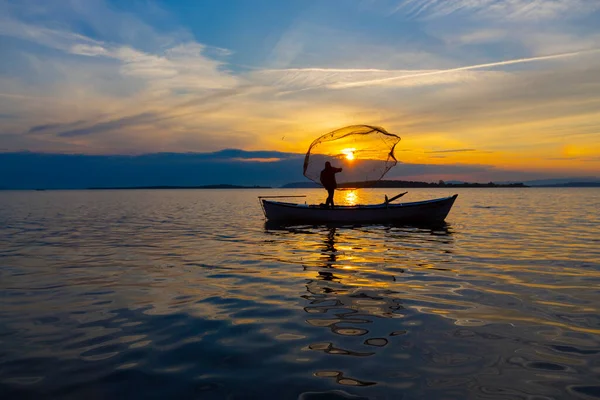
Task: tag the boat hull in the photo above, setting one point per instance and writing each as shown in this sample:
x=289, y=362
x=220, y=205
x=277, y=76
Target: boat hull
x=428, y=211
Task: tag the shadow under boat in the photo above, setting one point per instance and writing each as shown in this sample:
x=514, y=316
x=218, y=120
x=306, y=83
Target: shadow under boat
x=438, y=227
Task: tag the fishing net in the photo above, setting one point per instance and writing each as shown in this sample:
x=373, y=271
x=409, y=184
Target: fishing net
x=365, y=154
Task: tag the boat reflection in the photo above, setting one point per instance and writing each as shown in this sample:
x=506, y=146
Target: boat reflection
x=334, y=290
x=436, y=228
x=353, y=273
x=355, y=287
x=329, y=255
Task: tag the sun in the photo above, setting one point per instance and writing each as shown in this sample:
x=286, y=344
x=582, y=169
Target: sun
x=349, y=153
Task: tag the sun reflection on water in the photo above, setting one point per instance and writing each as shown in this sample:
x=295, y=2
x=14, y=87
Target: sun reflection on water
x=350, y=198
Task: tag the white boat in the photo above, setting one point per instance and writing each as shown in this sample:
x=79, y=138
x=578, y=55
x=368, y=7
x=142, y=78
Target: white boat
x=428, y=211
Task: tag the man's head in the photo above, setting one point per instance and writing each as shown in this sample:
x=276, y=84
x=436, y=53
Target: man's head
x=327, y=164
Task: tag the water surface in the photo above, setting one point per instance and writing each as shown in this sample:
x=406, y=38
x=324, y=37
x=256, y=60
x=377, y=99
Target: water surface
x=189, y=294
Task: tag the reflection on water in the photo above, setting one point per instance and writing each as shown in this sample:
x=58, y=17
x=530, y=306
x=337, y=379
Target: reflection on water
x=344, y=312
x=350, y=197
x=189, y=294
x=355, y=297
x=398, y=296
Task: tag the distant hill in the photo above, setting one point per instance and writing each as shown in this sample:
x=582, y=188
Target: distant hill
x=238, y=168
x=558, y=182
x=221, y=186
x=572, y=184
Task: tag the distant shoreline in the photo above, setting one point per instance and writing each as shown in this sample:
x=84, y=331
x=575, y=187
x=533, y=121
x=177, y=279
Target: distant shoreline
x=220, y=186
x=387, y=184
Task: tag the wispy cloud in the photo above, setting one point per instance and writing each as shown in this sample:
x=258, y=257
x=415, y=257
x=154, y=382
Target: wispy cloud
x=120, y=123
x=126, y=86
x=256, y=159
x=181, y=66
x=451, y=151
x=56, y=39
x=53, y=127
x=509, y=9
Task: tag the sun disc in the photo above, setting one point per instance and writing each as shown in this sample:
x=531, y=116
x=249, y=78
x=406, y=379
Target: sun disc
x=349, y=153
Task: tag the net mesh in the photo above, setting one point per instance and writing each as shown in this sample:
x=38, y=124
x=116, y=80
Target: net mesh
x=365, y=153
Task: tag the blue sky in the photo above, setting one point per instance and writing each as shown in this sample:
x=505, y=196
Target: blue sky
x=516, y=81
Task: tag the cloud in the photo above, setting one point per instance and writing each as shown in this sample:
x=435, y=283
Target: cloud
x=56, y=39
x=87, y=50
x=53, y=127
x=479, y=36
x=520, y=91
x=521, y=28
x=468, y=173
x=508, y=9
x=256, y=159
x=135, y=23
x=451, y=151
x=120, y=123
x=181, y=66
x=534, y=39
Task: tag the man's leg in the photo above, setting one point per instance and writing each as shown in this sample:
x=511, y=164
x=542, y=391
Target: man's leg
x=330, y=198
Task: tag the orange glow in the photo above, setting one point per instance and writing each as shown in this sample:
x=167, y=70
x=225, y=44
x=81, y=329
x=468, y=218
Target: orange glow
x=262, y=160
x=349, y=153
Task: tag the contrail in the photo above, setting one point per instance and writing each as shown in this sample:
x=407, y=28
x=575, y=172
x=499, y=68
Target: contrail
x=330, y=70
x=470, y=67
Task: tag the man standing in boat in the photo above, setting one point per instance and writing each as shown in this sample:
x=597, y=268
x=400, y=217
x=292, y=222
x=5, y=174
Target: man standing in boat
x=328, y=181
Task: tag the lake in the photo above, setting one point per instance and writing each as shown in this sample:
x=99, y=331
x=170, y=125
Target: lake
x=189, y=294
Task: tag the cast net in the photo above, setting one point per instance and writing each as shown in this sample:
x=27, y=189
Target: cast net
x=365, y=153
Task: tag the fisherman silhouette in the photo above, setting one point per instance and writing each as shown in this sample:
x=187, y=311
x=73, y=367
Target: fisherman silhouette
x=328, y=181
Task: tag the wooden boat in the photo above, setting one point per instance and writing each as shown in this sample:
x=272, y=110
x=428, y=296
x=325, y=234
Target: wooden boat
x=428, y=211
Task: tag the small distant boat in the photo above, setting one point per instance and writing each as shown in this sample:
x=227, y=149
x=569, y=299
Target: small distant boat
x=427, y=211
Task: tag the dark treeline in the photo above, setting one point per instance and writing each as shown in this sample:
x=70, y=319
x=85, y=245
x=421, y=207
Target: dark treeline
x=221, y=186
x=417, y=184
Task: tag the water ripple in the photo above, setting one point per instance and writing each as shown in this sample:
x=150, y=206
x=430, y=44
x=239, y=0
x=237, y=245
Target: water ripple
x=189, y=294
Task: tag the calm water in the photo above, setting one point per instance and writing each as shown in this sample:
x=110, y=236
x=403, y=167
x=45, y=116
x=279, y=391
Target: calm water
x=188, y=294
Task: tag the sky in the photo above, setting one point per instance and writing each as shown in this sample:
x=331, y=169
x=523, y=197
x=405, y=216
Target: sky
x=478, y=90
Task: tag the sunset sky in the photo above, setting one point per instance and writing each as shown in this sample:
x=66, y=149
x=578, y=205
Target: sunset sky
x=508, y=86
